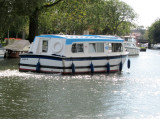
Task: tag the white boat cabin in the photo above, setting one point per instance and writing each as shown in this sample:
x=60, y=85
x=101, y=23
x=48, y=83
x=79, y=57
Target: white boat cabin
x=76, y=46
x=130, y=45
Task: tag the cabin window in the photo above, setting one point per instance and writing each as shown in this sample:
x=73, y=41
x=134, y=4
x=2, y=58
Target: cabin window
x=92, y=47
x=45, y=46
x=126, y=39
x=77, y=47
x=100, y=47
x=116, y=47
x=96, y=47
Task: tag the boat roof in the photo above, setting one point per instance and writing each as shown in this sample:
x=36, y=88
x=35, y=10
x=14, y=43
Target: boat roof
x=18, y=45
x=129, y=37
x=85, y=38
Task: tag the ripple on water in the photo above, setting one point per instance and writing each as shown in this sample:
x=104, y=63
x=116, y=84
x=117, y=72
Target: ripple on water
x=26, y=75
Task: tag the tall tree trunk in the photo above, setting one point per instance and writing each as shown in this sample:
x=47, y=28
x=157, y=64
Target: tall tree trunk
x=33, y=20
x=33, y=25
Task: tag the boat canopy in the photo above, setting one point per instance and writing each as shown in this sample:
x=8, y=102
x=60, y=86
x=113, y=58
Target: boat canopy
x=19, y=45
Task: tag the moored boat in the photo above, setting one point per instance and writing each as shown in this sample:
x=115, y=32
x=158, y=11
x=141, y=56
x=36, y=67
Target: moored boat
x=156, y=46
x=69, y=54
x=13, y=50
x=2, y=51
x=130, y=45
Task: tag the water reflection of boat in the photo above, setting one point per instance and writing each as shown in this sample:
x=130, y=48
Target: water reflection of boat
x=130, y=45
x=74, y=54
x=2, y=51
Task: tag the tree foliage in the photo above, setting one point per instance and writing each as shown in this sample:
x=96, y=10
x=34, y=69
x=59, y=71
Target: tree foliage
x=5, y=16
x=10, y=19
x=71, y=17
x=98, y=16
x=118, y=14
x=154, y=32
x=30, y=9
x=68, y=16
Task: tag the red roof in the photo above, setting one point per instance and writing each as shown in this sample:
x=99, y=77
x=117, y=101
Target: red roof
x=14, y=38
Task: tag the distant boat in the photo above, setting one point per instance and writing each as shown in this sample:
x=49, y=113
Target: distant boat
x=156, y=46
x=16, y=48
x=69, y=54
x=130, y=45
x=2, y=51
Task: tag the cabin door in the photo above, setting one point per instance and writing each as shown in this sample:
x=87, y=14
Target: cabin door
x=44, y=46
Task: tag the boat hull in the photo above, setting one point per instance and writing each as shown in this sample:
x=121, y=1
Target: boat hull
x=14, y=54
x=133, y=50
x=2, y=52
x=70, y=65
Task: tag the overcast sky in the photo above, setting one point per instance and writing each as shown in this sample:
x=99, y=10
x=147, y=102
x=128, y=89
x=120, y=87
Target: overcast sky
x=148, y=11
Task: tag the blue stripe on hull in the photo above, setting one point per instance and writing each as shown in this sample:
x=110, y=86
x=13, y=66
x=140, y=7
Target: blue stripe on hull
x=42, y=57
x=73, y=58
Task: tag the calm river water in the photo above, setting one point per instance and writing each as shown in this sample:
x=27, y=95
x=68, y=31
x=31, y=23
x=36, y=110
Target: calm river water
x=132, y=94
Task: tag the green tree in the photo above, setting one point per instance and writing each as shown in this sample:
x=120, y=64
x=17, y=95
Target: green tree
x=154, y=32
x=73, y=17
x=146, y=35
x=69, y=16
x=117, y=13
x=9, y=20
x=32, y=9
x=124, y=28
x=18, y=25
x=96, y=17
x=4, y=17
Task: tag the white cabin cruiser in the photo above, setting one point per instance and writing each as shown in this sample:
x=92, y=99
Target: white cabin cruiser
x=130, y=45
x=68, y=54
